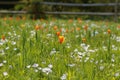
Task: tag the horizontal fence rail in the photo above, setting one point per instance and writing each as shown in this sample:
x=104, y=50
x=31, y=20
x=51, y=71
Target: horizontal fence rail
x=79, y=5
x=11, y=2
x=13, y=12
x=115, y=5
x=83, y=13
x=68, y=13
x=62, y=4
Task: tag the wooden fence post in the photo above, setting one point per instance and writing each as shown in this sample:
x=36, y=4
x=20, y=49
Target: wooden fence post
x=116, y=11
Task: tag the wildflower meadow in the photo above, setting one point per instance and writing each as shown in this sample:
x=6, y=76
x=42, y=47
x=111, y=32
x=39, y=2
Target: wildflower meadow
x=58, y=49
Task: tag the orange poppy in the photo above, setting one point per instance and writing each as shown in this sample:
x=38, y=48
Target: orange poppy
x=61, y=39
x=86, y=27
x=3, y=37
x=37, y=27
x=5, y=18
x=10, y=18
x=55, y=27
x=17, y=18
x=77, y=29
x=109, y=31
x=70, y=20
x=79, y=20
x=118, y=26
x=58, y=33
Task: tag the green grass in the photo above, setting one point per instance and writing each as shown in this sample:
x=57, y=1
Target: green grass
x=26, y=53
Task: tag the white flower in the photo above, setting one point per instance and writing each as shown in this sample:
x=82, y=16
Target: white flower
x=7, y=48
x=10, y=66
x=101, y=68
x=43, y=62
x=105, y=48
x=76, y=50
x=13, y=43
x=28, y=66
x=35, y=65
x=84, y=46
x=36, y=70
x=9, y=33
x=113, y=65
x=1, y=43
x=117, y=74
x=50, y=65
x=96, y=62
x=71, y=65
x=47, y=70
x=68, y=46
x=77, y=36
x=1, y=64
x=92, y=51
x=52, y=52
x=112, y=60
x=63, y=77
x=19, y=54
x=49, y=35
x=101, y=61
x=118, y=39
x=63, y=29
x=4, y=61
x=15, y=49
x=87, y=58
x=5, y=73
x=32, y=33
x=39, y=68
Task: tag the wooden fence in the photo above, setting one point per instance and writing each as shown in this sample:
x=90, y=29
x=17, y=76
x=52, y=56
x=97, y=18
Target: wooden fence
x=115, y=5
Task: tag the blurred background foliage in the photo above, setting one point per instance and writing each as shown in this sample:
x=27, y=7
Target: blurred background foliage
x=34, y=7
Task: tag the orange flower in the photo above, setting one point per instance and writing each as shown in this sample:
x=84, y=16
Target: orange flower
x=79, y=20
x=3, y=37
x=5, y=18
x=10, y=18
x=58, y=33
x=86, y=27
x=55, y=27
x=61, y=39
x=84, y=40
x=118, y=26
x=77, y=29
x=70, y=20
x=37, y=27
x=109, y=31
x=18, y=18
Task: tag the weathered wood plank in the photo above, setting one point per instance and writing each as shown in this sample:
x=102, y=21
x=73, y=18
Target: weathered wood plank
x=62, y=4
x=68, y=13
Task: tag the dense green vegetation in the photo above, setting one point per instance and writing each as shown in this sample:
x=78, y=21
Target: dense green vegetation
x=57, y=49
